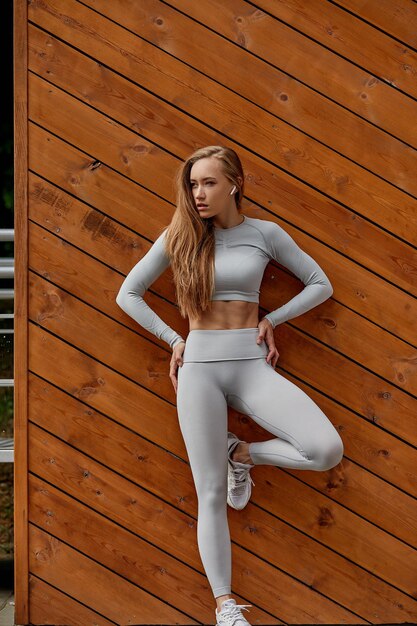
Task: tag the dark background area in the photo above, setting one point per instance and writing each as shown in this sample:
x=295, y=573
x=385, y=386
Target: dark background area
x=6, y=120
x=6, y=306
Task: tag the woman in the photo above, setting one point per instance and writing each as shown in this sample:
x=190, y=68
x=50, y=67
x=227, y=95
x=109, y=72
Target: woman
x=218, y=257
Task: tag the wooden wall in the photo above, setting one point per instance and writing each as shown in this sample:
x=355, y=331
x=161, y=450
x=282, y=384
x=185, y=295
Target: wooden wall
x=319, y=100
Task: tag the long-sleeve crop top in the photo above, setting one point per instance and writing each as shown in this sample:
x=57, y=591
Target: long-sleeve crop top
x=242, y=253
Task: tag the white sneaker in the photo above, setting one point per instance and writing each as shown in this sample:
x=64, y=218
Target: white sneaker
x=239, y=481
x=230, y=614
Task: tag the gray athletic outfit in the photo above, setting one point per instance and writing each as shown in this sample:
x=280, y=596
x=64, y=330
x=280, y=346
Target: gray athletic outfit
x=228, y=368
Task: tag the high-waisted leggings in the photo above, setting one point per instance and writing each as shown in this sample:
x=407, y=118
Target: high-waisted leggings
x=228, y=367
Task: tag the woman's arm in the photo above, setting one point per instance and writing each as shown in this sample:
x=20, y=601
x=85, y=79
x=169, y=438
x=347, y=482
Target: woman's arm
x=140, y=277
x=317, y=286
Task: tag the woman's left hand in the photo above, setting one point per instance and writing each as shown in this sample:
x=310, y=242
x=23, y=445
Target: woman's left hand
x=266, y=333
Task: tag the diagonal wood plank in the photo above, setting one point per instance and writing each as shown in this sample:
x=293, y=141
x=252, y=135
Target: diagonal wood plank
x=50, y=606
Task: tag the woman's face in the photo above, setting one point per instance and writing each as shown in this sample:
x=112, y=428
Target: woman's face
x=210, y=187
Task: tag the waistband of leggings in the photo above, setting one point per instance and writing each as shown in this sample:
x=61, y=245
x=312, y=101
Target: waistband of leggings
x=223, y=345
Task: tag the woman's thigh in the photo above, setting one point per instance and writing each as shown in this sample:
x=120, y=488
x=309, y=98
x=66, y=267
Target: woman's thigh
x=202, y=416
x=283, y=409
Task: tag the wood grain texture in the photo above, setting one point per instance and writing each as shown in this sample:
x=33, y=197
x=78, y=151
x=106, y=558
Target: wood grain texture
x=50, y=606
x=319, y=101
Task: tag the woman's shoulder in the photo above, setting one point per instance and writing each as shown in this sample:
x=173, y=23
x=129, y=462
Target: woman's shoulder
x=267, y=228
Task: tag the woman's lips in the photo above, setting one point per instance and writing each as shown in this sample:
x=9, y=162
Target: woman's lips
x=202, y=207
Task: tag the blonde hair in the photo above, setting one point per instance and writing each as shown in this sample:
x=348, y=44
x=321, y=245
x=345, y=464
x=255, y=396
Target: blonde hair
x=189, y=239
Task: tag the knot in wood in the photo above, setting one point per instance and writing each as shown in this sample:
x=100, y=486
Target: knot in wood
x=325, y=517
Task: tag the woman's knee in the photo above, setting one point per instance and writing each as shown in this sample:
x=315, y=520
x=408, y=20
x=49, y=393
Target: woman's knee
x=329, y=454
x=212, y=493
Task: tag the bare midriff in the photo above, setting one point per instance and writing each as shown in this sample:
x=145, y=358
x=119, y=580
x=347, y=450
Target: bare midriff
x=227, y=314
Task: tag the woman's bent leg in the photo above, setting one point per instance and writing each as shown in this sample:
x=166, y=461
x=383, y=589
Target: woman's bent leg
x=202, y=414
x=307, y=438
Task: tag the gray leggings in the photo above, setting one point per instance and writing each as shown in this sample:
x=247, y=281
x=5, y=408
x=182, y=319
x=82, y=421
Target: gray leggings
x=228, y=367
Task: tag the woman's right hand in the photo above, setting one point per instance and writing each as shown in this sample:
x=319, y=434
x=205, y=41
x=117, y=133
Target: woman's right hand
x=176, y=361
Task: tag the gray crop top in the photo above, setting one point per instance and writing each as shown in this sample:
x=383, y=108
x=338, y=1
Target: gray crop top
x=241, y=254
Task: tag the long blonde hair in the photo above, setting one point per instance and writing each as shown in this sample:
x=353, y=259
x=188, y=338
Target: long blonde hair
x=189, y=239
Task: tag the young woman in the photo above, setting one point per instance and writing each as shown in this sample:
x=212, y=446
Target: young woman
x=218, y=257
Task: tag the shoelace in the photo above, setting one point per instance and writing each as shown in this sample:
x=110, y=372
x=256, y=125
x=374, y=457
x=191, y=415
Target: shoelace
x=238, y=477
x=232, y=611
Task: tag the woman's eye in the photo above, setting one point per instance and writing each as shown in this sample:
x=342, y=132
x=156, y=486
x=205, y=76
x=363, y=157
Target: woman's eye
x=210, y=182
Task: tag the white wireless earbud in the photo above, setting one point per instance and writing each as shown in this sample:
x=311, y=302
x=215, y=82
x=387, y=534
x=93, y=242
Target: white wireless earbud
x=234, y=187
